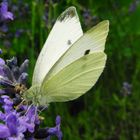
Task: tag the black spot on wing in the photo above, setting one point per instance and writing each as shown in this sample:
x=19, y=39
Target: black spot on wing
x=69, y=42
x=87, y=52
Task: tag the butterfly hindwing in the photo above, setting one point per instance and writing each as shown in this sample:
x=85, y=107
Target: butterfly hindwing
x=74, y=80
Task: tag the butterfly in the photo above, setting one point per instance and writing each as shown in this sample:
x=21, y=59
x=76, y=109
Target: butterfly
x=70, y=61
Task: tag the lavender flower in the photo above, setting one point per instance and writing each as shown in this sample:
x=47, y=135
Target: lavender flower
x=13, y=76
x=2, y=62
x=0, y=51
x=4, y=28
x=15, y=123
x=19, y=32
x=23, y=121
x=49, y=131
x=126, y=89
x=4, y=13
x=55, y=130
x=89, y=20
x=133, y=6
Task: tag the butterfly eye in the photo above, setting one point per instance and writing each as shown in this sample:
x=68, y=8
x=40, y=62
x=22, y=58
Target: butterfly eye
x=86, y=52
x=69, y=42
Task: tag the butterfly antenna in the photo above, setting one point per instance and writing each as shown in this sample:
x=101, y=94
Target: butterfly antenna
x=18, y=106
x=28, y=109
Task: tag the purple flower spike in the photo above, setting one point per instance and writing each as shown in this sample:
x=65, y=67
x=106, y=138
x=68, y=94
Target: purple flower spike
x=0, y=51
x=7, y=104
x=24, y=66
x=23, y=78
x=4, y=29
x=2, y=62
x=12, y=124
x=1, y=69
x=12, y=62
x=2, y=116
x=4, y=131
x=58, y=120
x=5, y=14
x=20, y=121
x=2, y=91
x=56, y=130
x=31, y=119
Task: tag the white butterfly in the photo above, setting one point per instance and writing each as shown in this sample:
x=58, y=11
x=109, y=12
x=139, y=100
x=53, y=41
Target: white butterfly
x=70, y=62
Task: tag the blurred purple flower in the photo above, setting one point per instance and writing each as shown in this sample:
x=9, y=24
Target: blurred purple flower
x=126, y=89
x=4, y=13
x=4, y=131
x=89, y=19
x=4, y=28
x=2, y=62
x=55, y=130
x=7, y=43
x=133, y=5
x=19, y=32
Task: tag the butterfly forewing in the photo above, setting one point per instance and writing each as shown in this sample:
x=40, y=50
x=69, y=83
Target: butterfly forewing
x=65, y=32
x=92, y=41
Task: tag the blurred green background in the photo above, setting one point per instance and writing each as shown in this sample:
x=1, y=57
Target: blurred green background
x=111, y=109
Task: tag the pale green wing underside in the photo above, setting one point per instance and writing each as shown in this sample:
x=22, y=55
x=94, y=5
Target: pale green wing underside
x=92, y=41
x=64, y=33
x=74, y=80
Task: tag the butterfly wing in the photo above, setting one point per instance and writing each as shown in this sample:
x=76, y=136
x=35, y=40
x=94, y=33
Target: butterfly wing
x=74, y=80
x=92, y=41
x=64, y=33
